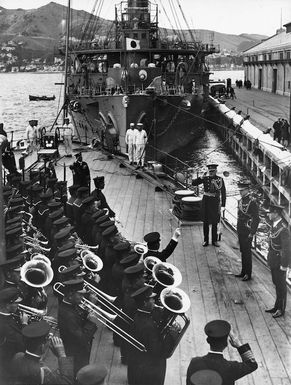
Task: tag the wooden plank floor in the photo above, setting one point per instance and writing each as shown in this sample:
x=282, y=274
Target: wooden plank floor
x=207, y=278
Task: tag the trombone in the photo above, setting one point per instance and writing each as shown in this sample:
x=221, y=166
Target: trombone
x=107, y=301
x=105, y=318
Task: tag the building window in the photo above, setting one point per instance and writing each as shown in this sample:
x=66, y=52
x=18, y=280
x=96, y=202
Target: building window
x=270, y=56
x=288, y=84
x=135, y=35
x=281, y=55
x=143, y=35
x=288, y=55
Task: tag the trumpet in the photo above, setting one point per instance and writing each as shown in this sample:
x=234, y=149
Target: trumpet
x=37, y=247
x=105, y=318
x=37, y=315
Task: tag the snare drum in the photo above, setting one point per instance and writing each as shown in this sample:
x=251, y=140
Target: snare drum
x=191, y=208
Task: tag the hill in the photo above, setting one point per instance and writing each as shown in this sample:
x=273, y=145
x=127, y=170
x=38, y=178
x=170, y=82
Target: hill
x=42, y=28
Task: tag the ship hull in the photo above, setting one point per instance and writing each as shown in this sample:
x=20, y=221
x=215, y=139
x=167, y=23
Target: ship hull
x=171, y=121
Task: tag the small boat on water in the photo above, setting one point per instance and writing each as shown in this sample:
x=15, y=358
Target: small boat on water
x=43, y=97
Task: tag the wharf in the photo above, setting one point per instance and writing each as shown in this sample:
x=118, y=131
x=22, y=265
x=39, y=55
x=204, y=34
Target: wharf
x=263, y=107
x=207, y=278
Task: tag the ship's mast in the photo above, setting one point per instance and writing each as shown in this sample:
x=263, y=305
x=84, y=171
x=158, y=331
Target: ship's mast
x=65, y=109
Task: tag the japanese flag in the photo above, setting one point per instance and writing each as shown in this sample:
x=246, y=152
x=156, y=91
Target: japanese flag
x=132, y=44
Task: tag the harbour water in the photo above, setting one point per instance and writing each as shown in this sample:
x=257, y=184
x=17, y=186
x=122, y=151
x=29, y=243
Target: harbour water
x=17, y=110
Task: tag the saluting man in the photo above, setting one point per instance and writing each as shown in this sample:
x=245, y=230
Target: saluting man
x=247, y=223
x=81, y=172
x=278, y=259
x=213, y=202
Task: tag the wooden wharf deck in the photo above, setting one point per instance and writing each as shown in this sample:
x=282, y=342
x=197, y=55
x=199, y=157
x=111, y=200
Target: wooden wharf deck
x=263, y=107
x=207, y=278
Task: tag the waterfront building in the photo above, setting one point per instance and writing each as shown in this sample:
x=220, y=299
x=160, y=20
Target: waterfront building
x=268, y=64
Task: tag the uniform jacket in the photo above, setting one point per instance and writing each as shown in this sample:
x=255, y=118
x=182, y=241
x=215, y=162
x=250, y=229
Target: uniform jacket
x=230, y=371
x=248, y=215
x=279, y=246
x=81, y=173
x=76, y=332
x=164, y=254
x=11, y=340
x=98, y=194
x=130, y=136
x=146, y=368
x=210, y=208
x=29, y=370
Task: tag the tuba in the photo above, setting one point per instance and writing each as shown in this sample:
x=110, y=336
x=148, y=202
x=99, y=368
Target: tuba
x=141, y=249
x=40, y=257
x=36, y=273
x=150, y=263
x=91, y=261
x=166, y=275
x=175, y=302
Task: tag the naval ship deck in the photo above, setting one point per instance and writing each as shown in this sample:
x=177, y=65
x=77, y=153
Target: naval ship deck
x=207, y=278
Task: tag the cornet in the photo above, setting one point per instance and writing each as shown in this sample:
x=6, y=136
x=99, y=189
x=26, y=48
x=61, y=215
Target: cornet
x=37, y=315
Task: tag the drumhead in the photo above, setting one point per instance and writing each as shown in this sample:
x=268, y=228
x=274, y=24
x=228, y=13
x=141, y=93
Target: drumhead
x=184, y=192
x=191, y=199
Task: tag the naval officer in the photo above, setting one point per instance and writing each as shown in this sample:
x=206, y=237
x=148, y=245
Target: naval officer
x=213, y=367
x=213, y=202
x=278, y=258
x=247, y=223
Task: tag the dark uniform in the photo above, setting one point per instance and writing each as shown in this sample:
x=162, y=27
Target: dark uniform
x=87, y=220
x=69, y=204
x=278, y=261
x=11, y=340
x=247, y=223
x=214, y=198
x=81, y=172
x=76, y=330
x=94, y=374
x=146, y=368
x=28, y=367
x=153, y=243
x=214, y=365
x=99, y=196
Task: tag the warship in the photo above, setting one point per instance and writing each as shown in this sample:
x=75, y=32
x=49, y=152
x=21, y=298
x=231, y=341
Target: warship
x=134, y=74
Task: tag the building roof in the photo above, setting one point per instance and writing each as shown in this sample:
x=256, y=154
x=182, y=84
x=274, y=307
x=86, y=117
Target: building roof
x=280, y=41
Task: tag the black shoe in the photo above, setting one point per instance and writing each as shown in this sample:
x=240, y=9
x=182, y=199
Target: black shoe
x=239, y=275
x=205, y=243
x=215, y=244
x=272, y=311
x=246, y=278
x=278, y=313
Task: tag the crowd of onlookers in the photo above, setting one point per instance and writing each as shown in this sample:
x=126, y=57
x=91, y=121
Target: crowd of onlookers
x=282, y=131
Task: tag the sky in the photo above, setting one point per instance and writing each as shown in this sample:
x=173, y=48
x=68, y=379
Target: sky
x=227, y=16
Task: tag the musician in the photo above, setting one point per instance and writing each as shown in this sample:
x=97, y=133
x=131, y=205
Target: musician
x=69, y=205
x=148, y=367
x=81, y=172
x=122, y=250
x=28, y=367
x=95, y=232
x=87, y=221
x=76, y=328
x=213, y=202
x=91, y=375
x=278, y=258
x=43, y=209
x=247, y=224
x=61, y=192
x=153, y=241
x=11, y=270
x=98, y=194
x=226, y=372
x=11, y=340
x=82, y=193
x=23, y=188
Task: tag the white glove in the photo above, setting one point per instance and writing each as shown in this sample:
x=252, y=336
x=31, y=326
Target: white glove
x=177, y=234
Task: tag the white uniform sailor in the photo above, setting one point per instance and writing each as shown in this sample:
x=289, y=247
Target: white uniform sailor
x=68, y=136
x=140, y=141
x=130, y=141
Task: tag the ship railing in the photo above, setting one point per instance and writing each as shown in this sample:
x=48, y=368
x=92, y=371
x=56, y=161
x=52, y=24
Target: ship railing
x=179, y=171
x=97, y=91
